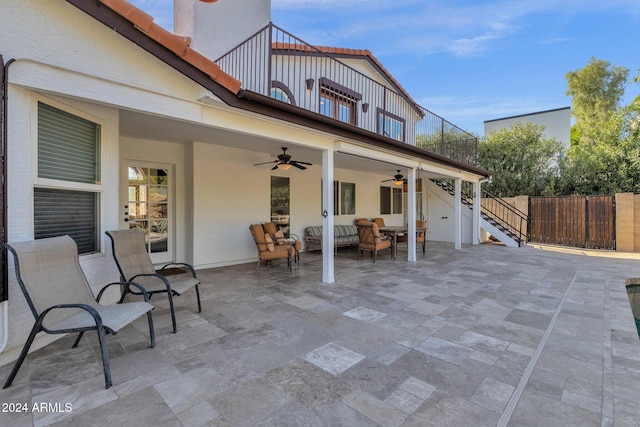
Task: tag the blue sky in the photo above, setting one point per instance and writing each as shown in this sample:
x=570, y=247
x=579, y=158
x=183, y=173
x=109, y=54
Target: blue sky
x=473, y=60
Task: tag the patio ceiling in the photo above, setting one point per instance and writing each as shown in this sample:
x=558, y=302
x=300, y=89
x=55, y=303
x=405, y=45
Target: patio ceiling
x=147, y=126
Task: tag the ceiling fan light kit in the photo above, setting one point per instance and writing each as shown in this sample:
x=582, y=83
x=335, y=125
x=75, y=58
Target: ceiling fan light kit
x=285, y=162
x=397, y=179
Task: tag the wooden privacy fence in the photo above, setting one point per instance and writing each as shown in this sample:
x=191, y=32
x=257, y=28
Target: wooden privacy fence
x=578, y=221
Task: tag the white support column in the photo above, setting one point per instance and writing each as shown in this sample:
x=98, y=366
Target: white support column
x=458, y=214
x=477, y=209
x=328, y=275
x=411, y=215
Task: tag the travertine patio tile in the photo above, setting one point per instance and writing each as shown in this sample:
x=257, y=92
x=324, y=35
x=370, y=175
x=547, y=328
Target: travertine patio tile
x=333, y=358
x=189, y=389
x=445, y=350
x=582, y=401
x=537, y=409
x=482, y=342
x=406, y=402
x=364, y=314
x=249, y=402
x=374, y=409
x=493, y=394
x=308, y=384
x=198, y=415
x=418, y=388
x=442, y=409
x=426, y=307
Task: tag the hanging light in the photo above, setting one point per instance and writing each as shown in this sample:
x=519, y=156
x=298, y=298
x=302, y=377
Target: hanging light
x=398, y=179
x=284, y=166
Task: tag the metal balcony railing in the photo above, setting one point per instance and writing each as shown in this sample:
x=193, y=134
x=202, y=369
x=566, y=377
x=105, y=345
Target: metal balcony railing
x=275, y=63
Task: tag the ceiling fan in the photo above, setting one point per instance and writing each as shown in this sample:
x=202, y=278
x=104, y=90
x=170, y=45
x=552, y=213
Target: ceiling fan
x=397, y=179
x=285, y=162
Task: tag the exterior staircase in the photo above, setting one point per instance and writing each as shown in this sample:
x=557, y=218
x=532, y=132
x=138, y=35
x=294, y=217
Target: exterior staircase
x=498, y=218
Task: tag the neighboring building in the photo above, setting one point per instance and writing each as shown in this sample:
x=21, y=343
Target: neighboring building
x=557, y=124
x=112, y=122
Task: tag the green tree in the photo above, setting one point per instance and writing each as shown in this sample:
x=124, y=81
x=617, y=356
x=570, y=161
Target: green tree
x=522, y=160
x=596, y=90
x=610, y=166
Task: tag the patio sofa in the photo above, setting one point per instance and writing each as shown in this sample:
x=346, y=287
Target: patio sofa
x=343, y=235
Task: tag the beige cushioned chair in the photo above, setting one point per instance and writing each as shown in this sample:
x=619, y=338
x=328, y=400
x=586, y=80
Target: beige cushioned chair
x=133, y=261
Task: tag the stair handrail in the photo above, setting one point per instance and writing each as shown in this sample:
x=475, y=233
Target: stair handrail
x=520, y=217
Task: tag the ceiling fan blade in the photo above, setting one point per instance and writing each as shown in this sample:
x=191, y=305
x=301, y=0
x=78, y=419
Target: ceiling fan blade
x=266, y=163
x=274, y=168
x=301, y=163
x=297, y=165
x=387, y=180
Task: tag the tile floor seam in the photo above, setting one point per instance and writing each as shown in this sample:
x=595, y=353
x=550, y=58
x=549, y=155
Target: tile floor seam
x=515, y=397
x=607, y=410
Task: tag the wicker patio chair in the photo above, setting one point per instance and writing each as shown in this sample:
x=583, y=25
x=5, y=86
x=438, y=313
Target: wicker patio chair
x=61, y=300
x=134, y=263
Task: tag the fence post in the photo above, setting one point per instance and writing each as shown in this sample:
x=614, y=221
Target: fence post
x=624, y=222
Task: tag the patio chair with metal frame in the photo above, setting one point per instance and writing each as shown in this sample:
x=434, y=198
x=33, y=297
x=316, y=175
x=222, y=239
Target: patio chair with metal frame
x=61, y=300
x=267, y=249
x=278, y=237
x=133, y=261
x=371, y=240
x=420, y=235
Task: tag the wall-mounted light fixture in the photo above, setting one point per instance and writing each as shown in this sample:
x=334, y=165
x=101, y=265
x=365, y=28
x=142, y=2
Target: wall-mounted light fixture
x=365, y=107
x=309, y=84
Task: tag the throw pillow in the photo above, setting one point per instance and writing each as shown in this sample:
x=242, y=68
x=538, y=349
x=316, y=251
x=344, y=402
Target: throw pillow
x=270, y=245
x=279, y=235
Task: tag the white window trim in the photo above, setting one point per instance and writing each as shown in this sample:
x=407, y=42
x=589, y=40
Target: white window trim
x=37, y=182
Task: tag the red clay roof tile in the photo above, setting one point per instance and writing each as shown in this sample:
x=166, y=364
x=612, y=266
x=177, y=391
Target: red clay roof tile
x=132, y=13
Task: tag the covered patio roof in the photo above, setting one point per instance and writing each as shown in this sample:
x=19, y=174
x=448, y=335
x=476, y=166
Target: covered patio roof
x=479, y=336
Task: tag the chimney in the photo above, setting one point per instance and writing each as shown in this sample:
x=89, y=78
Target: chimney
x=216, y=27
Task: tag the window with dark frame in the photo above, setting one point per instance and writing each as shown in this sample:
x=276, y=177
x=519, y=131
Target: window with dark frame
x=390, y=200
x=338, y=102
x=347, y=198
x=390, y=125
x=68, y=156
x=281, y=92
